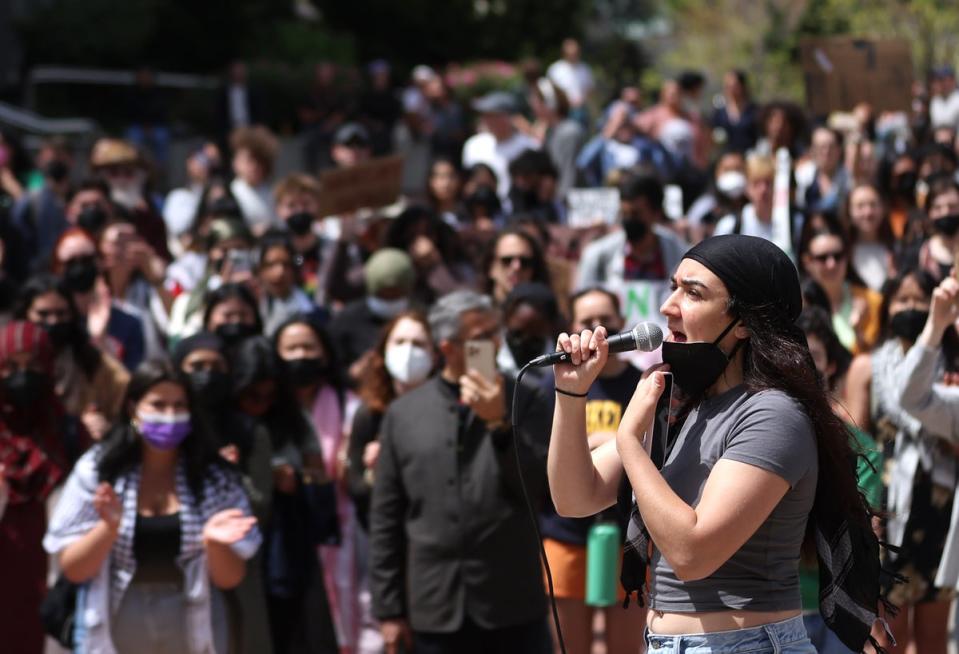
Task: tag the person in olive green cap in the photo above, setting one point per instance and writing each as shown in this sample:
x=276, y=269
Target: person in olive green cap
x=390, y=277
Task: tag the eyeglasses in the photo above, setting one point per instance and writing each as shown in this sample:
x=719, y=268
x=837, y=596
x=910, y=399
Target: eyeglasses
x=524, y=262
x=826, y=256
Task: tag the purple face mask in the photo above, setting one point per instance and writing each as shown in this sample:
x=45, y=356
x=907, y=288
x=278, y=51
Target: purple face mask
x=162, y=431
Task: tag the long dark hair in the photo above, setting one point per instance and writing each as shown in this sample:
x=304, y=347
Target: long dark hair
x=122, y=445
x=776, y=356
x=334, y=365
x=232, y=291
x=540, y=271
x=85, y=354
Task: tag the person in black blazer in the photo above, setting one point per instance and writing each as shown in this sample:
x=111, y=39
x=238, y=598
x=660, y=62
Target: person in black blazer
x=454, y=559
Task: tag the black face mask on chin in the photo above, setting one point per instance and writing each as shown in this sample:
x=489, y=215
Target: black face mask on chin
x=696, y=366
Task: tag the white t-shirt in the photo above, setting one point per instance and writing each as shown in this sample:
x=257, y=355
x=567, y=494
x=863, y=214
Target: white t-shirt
x=576, y=80
x=239, y=112
x=944, y=112
x=255, y=203
x=484, y=148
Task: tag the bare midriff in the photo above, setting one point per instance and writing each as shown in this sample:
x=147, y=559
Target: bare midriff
x=677, y=624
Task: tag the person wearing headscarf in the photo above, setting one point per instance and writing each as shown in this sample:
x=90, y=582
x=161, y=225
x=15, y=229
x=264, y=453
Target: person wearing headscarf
x=34, y=455
x=756, y=465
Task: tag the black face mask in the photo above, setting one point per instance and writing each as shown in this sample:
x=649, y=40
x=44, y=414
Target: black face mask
x=306, y=372
x=24, y=388
x=80, y=274
x=57, y=170
x=947, y=225
x=232, y=333
x=523, y=347
x=92, y=219
x=905, y=185
x=908, y=324
x=211, y=387
x=696, y=366
x=636, y=229
x=300, y=223
x=60, y=333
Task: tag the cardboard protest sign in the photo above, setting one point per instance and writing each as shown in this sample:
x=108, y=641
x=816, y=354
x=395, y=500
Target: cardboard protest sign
x=372, y=184
x=592, y=206
x=841, y=72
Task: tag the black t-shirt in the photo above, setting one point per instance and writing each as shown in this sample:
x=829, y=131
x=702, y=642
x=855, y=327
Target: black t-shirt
x=605, y=403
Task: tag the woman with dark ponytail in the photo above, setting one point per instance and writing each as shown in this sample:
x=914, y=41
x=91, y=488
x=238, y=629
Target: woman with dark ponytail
x=758, y=467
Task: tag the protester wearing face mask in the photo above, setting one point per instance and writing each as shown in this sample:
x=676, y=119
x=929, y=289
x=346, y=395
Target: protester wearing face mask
x=643, y=248
x=265, y=398
x=119, y=164
x=297, y=207
x=89, y=207
x=390, y=277
x=280, y=294
x=39, y=216
x=123, y=332
x=727, y=195
x=937, y=255
x=716, y=532
x=33, y=459
x=227, y=257
x=231, y=313
x=202, y=359
x=565, y=538
x=155, y=524
x=402, y=359
x=898, y=393
x=310, y=365
x=88, y=382
x=531, y=322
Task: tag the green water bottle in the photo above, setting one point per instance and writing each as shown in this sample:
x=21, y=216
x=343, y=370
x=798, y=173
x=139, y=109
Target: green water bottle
x=602, y=564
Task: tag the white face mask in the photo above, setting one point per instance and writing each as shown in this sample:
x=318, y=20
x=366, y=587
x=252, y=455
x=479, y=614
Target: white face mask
x=731, y=183
x=408, y=363
x=387, y=308
x=129, y=193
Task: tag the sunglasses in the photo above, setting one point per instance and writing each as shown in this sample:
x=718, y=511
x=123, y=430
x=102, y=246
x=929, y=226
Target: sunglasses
x=826, y=256
x=524, y=262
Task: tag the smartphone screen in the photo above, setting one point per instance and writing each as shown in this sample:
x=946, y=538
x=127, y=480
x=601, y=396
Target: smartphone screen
x=661, y=444
x=481, y=357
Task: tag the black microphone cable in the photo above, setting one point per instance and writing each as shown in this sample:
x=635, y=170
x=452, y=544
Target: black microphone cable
x=532, y=511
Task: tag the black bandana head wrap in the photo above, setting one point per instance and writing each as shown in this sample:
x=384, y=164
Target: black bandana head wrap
x=755, y=272
x=760, y=277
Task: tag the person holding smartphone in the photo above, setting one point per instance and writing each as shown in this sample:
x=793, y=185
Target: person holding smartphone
x=759, y=467
x=454, y=561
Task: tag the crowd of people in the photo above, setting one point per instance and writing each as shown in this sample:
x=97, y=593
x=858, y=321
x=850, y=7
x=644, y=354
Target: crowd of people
x=231, y=423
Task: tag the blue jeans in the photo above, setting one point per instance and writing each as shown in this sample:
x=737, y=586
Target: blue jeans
x=786, y=637
x=822, y=637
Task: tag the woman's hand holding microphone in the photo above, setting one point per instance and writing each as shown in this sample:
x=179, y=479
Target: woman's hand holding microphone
x=588, y=353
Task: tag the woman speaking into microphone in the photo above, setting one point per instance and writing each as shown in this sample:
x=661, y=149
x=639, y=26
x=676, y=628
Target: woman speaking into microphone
x=760, y=470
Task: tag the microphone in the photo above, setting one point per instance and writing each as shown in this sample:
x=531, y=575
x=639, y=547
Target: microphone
x=645, y=337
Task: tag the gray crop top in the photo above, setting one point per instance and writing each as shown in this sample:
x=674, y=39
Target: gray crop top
x=769, y=430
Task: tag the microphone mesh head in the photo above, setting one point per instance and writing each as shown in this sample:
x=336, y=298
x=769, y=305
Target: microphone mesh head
x=648, y=336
